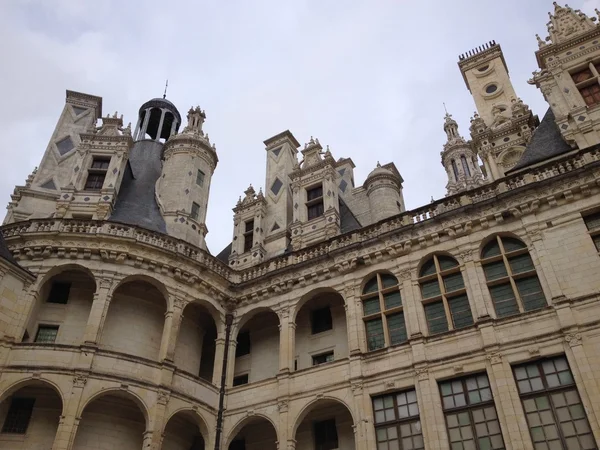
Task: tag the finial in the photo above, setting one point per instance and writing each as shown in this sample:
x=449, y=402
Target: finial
x=444, y=103
x=378, y=165
x=166, y=86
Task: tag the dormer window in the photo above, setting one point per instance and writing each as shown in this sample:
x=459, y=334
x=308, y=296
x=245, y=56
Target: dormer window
x=97, y=174
x=248, y=235
x=586, y=81
x=314, y=202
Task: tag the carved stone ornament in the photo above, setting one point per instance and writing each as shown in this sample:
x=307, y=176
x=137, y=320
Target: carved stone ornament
x=163, y=397
x=574, y=339
x=466, y=256
x=405, y=275
x=79, y=380
x=494, y=357
x=422, y=374
x=282, y=406
x=357, y=387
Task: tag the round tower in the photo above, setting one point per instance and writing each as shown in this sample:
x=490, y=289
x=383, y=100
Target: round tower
x=189, y=161
x=158, y=119
x=459, y=160
x=384, y=190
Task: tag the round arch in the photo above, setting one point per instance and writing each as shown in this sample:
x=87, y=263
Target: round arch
x=199, y=420
x=430, y=255
x=57, y=270
x=212, y=310
x=249, y=315
x=256, y=417
x=139, y=402
x=159, y=285
x=374, y=273
x=33, y=382
x=309, y=296
x=313, y=404
x=508, y=234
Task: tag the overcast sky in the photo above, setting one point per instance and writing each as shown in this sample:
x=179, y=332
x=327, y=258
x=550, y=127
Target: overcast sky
x=366, y=77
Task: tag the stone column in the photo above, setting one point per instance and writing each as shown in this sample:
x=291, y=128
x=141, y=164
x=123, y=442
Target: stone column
x=508, y=404
x=541, y=260
x=231, y=357
x=69, y=421
x=431, y=413
x=285, y=360
x=171, y=328
x=411, y=304
x=494, y=167
x=160, y=124
x=173, y=127
x=364, y=437
x=219, y=355
x=137, y=127
x=353, y=319
x=145, y=125
x=95, y=323
x=153, y=438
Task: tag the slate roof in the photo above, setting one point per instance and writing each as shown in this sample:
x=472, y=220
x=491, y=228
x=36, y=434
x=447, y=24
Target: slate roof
x=136, y=204
x=348, y=221
x=224, y=255
x=4, y=253
x=546, y=143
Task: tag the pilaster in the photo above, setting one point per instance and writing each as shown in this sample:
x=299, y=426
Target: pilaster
x=69, y=421
x=95, y=323
x=431, y=412
x=171, y=328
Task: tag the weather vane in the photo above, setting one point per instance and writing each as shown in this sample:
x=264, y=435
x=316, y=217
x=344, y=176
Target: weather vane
x=166, y=86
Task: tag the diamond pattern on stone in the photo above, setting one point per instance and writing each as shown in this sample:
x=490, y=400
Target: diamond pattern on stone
x=181, y=219
x=343, y=185
x=65, y=145
x=342, y=172
x=76, y=169
x=328, y=193
x=275, y=226
x=564, y=126
x=277, y=151
x=187, y=191
x=566, y=90
x=276, y=186
x=78, y=110
x=66, y=196
x=115, y=170
x=581, y=118
x=105, y=198
x=296, y=206
x=190, y=173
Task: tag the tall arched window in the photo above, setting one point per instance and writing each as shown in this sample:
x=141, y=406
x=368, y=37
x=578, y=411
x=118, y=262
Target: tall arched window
x=511, y=277
x=454, y=170
x=465, y=165
x=383, y=312
x=444, y=295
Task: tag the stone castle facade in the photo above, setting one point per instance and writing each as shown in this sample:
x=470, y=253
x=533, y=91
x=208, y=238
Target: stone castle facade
x=335, y=319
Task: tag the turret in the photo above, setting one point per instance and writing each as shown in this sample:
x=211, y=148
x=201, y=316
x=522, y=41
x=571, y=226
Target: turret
x=189, y=161
x=459, y=160
x=384, y=190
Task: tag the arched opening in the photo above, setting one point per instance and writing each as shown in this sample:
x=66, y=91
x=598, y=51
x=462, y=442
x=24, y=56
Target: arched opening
x=321, y=332
x=257, y=348
x=135, y=320
x=195, y=350
x=62, y=309
x=29, y=417
x=254, y=433
x=185, y=431
x=326, y=423
x=113, y=420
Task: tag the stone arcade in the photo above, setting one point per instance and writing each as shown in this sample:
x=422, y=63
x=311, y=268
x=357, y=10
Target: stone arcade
x=335, y=319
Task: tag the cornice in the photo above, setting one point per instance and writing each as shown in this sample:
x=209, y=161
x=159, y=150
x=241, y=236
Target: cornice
x=550, y=49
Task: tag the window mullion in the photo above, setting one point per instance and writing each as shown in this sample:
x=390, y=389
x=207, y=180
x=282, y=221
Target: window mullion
x=443, y=294
x=511, y=278
x=386, y=332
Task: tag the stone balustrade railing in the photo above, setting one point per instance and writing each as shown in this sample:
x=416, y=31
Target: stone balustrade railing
x=397, y=223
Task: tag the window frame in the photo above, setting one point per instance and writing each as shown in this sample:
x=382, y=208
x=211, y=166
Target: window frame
x=195, y=211
x=511, y=277
x=315, y=206
x=325, y=355
x=469, y=407
x=46, y=326
x=248, y=235
x=241, y=377
x=444, y=296
x=547, y=392
x=200, y=175
x=97, y=175
x=593, y=231
x=398, y=421
x=383, y=312
x=593, y=80
x=26, y=404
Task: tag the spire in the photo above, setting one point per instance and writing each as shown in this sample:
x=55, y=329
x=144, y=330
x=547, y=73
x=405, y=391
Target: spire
x=166, y=86
x=566, y=23
x=451, y=128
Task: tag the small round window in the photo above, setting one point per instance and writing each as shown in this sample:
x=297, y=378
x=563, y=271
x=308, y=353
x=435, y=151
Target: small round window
x=484, y=68
x=491, y=88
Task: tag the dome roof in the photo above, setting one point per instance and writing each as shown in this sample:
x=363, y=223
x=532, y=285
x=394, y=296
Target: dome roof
x=379, y=171
x=161, y=103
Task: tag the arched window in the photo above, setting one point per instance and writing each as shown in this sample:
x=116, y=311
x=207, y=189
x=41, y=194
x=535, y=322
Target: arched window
x=511, y=277
x=466, y=169
x=444, y=295
x=454, y=169
x=383, y=312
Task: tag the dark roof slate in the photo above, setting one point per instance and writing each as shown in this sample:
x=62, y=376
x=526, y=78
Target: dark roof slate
x=546, y=143
x=348, y=221
x=224, y=255
x=136, y=204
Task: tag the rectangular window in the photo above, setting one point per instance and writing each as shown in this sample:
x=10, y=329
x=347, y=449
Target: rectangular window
x=320, y=320
x=397, y=328
x=314, y=202
x=59, y=293
x=248, y=235
x=436, y=317
x=397, y=423
x=195, y=210
x=553, y=409
x=531, y=293
x=242, y=347
x=18, y=416
x=586, y=81
x=322, y=358
x=592, y=222
x=460, y=311
x=471, y=417
x=97, y=174
x=504, y=299
x=326, y=437
x=240, y=380
x=200, y=178
x=46, y=334
x=375, y=336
